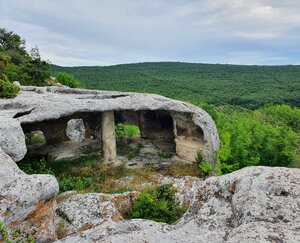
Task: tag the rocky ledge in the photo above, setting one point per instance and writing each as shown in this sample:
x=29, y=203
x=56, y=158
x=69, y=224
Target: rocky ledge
x=255, y=204
x=51, y=109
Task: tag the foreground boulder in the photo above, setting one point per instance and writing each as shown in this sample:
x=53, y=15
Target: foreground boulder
x=26, y=200
x=255, y=204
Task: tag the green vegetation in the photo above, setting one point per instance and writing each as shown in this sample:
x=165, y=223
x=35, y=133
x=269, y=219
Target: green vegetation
x=123, y=133
x=17, y=64
x=164, y=154
x=35, y=166
x=10, y=236
x=157, y=204
x=260, y=137
x=127, y=131
x=77, y=183
x=252, y=131
x=34, y=138
x=8, y=89
x=218, y=84
x=205, y=168
x=68, y=80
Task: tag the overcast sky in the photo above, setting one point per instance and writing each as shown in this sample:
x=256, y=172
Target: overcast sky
x=100, y=32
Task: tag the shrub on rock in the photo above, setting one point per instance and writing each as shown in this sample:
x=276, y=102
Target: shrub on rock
x=8, y=89
x=158, y=204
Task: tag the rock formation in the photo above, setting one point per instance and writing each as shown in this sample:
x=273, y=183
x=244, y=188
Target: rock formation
x=255, y=204
x=26, y=201
x=57, y=112
x=75, y=130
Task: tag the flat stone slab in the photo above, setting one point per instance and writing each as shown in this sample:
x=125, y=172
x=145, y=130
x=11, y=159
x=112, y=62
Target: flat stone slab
x=35, y=104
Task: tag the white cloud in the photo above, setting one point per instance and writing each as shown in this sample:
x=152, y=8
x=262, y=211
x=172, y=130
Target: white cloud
x=91, y=32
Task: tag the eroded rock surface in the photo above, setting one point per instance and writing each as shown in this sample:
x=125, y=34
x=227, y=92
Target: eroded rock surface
x=25, y=200
x=75, y=130
x=79, y=212
x=255, y=204
x=12, y=138
x=48, y=107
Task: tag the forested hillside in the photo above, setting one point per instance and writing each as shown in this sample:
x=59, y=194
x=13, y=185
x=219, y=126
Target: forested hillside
x=247, y=86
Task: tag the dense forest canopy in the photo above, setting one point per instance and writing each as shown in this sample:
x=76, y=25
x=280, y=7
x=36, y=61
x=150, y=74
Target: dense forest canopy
x=247, y=103
x=247, y=86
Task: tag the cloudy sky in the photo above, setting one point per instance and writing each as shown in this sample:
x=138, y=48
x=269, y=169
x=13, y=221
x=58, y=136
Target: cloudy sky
x=106, y=32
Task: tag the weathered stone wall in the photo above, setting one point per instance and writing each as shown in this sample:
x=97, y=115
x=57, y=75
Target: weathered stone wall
x=189, y=138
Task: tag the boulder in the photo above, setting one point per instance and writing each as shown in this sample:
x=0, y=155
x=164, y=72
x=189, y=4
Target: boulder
x=78, y=212
x=75, y=130
x=12, y=138
x=85, y=211
x=255, y=204
x=26, y=200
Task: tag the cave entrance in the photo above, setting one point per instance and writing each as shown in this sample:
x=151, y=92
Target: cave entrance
x=151, y=140
x=64, y=137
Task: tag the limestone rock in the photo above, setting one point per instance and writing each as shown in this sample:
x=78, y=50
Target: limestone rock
x=85, y=211
x=24, y=199
x=75, y=130
x=38, y=104
x=255, y=204
x=17, y=83
x=12, y=138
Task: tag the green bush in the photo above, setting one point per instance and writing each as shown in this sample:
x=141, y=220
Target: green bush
x=157, y=204
x=30, y=166
x=205, y=168
x=127, y=131
x=258, y=138
x=8, y=89
x=68, y=80
x=76, y=183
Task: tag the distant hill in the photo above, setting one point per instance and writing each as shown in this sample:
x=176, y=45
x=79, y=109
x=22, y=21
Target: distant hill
x=247, y=86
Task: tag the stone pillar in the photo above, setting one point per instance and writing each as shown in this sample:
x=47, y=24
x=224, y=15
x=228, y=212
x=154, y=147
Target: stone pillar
x=109, y=146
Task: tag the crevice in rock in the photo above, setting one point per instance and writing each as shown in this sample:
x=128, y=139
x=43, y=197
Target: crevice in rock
x=24, y=113
x=102, y=97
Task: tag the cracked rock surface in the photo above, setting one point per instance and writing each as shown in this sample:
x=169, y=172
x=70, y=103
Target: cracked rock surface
x=255, y=204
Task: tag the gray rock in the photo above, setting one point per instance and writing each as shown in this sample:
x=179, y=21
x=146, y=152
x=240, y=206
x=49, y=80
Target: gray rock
x=75, y=130
x=88, y=210
x=255, y=204
x=12, y=138
x=17, y=83
x=36, y=104
x=24, y=198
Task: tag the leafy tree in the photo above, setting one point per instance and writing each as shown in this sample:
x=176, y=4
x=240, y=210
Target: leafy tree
x=17, y=64
x=13, y=45
x=251, y=138
x=35, y=70
x=4, y=61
